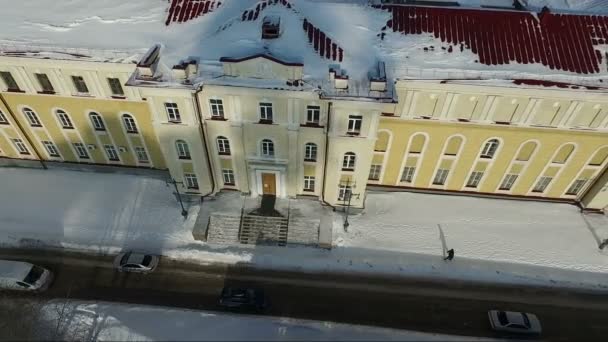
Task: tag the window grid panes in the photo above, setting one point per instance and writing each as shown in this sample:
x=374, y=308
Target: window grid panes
x=21, y=148
x=223, y=146
x=408, y=174
x=51, y=148
x=64, y=119
x=344, y=192
x=81, y=151
x=228, y=175
x=267, y=148
x=116, y=87
x=191, y=181
x=354, y=124
x=542, y=184
x=111, y=153
x=266, y=111
x=183, y=152
x=507, y=182
x=310, y=152
x=130, y=125
x=172, y=112
x=97, y=122
x=474, y=179
x=309, y=183
x=142, y=155
x=489, y=149
x=374, y=172
x=3, y=119
x=45, y=83
x=313, y=114
x=32, y=118
x=440, y=177
x=576, y=187
x=217, y=108
x=348, y=163
x=80, y=84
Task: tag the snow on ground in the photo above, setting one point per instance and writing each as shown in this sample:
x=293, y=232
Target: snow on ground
x=103, y=321
x=496, y=241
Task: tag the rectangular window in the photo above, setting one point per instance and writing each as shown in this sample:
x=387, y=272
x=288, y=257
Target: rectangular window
x=116, y=87
x=313, y=114
x=172, y=112
x=81, y=151
x=310, y=153
x=217, y=108
x=3, y=120
x=474, y=179
x=80, y=84
x=32, y=118
x=440, y=177
x=45, y=83
x=191, y=181
x=51, y=148
x=507, y=182
x=576, y=187
x=142, y=155
x=20, y=146
x=354, y=124
x=223, y=146
x=309, y=183
x=265, y=111
x=228, y=175
x=267, y=148
x=408, y=174
x=9, y=81
x=374, y=172
x=542, y=184
x=111, y=152
x=344, y=193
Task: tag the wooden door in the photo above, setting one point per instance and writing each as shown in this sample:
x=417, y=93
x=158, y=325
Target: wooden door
x=269, y=184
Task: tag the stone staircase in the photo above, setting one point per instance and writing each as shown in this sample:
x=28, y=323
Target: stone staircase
x=223, y=229
x=263, y=230
x=303, y=232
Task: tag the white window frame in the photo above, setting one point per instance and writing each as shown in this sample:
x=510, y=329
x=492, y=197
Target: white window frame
x=542, y=184
x=489, y=149
x=130, y=124
x=45, y=83
x=81, y=150
x=116, y=86
x=313, y=114
x=32, y=117
x=79, y=80
x=374, y=172
x=183, y=150
x=64, y=119
x=474, y=179
x=217, y=108
x=440, y=176
x=576, y=186
x=309, y=183
x=508, y=181
x=310, y=152
x=354, y=124
x=140, y=152
x=349, y=161
x=173, y=114
x=3, y=119
x=228, y=177
x=12, y=80
x=51, y=149
x=267, y=148
x=223, y=145
x=191, y=181
x=110, y=151
x=408, y=174
x=343, y=190
x=20, y=146
x=97, y=121
x=266, y=111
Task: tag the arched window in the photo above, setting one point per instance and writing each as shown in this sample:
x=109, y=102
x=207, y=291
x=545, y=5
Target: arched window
x=599, y=157
x=526, y=151
x=32, y=118
x=183, y=152
x=310, y=152
x=348, y=163
x=64, y=119
x=489, y=149
x=382, y=141
x=417, y=143
x=223, y=146
x=97, y=122
x=267, y=148
x=452, y=146
x=563, y=154
x=129, y=122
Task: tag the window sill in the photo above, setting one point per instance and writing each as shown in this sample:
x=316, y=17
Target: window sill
x=224, y=154
x=308, y=190
x=310, y=160
x=36, y=126
x=114, y=160
x=348, y=170
x=485, y=157
x=184, y=158
x=15, y=91
x=502, y=123
x=229, y=184
x=4, y=123
x=311, y=125
x=47, y=92
x=132, y=132
x=71, y=127
x=83, y=95
x=24, y=153
x=265, y=122
x=100, y=129
x=353, y=134
x=119, y=97
x=218, y=118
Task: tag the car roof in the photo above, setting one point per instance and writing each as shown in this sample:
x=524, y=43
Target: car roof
x=135, y=258
x=14, y=269
x=515, y=317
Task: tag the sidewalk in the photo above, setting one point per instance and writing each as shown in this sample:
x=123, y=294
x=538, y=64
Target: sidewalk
x=496, y=241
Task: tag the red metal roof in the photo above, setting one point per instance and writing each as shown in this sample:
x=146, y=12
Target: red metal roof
x=184, y=10
x=558, y=41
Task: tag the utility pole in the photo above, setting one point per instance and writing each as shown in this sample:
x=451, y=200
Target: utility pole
x=179, y=196
x=348, y=195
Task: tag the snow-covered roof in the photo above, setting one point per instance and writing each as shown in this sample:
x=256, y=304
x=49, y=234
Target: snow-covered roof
x=470, y=41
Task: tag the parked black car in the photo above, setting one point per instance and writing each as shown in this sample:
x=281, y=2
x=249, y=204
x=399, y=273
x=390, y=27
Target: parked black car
x=243, y=298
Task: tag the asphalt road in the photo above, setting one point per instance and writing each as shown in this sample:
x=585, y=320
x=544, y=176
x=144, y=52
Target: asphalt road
x=416, y=304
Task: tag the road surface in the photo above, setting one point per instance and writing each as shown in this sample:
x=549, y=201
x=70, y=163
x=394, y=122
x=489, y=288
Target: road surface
x=416, y=304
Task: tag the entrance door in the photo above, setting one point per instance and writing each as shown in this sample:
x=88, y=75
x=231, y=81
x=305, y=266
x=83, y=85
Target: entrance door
x=269, y=184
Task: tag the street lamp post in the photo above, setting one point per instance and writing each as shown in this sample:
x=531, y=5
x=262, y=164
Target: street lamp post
x=179, y=196
x=348, y=195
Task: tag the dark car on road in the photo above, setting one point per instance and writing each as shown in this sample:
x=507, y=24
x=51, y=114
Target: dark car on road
x=243, y=298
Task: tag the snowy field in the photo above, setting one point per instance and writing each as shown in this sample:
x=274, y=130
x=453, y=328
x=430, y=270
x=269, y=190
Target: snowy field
x=496, y=241
x=92, y=321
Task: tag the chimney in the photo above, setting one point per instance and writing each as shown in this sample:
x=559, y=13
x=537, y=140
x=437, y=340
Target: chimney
x=147, y=65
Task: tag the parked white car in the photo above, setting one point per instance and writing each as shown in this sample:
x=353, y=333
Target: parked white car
x=23, y=276
x=514, y=322
x=136, y=262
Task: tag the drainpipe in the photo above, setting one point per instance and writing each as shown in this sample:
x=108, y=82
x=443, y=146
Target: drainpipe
x=326, y=153
x=204, y=136
x=10, y=112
